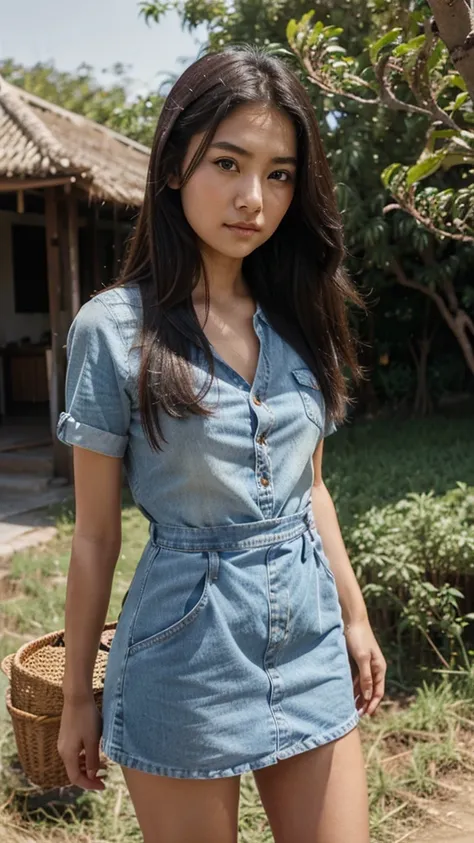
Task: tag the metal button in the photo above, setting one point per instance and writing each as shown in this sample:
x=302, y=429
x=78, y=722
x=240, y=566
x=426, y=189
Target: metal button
x=264, y=481
x=256, y=400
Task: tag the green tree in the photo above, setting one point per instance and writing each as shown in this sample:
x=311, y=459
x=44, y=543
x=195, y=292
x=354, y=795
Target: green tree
x=260, y=22
x=113, y=105
x=413, y=76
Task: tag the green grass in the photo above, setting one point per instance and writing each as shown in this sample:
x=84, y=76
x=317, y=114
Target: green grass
x=409, y=746
x=377, y=463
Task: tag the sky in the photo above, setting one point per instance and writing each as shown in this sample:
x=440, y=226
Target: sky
x=98, y=32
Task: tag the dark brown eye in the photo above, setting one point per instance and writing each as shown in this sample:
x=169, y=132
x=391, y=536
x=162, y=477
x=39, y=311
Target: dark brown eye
x=225, y=164
x=281, y=175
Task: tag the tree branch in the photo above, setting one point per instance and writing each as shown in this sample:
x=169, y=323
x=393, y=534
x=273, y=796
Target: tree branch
x=326, y=86
x=402, y=205
x=455, y=22
x=387, y=97
x=458, y=322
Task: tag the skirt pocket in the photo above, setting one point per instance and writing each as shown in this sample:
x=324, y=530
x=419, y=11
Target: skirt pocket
x=323, y=561
x=174, y=593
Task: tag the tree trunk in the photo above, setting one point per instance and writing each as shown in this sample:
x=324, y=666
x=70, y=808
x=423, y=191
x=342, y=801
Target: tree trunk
x=423, y=404
x=457, y=320
x=455, y=22
x=367, y=400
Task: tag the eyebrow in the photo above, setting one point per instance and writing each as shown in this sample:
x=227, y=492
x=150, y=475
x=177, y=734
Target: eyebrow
x=232, y=147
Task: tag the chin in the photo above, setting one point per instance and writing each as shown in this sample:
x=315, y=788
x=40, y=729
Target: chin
x=237, y=253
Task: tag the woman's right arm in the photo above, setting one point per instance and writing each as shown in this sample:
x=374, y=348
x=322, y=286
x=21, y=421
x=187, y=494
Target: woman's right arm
x=95, y=549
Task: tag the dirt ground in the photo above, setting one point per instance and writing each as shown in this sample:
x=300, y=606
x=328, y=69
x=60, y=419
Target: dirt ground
x=450, y=821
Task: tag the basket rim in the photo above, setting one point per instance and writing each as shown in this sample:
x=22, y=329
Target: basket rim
x=6, y=665
x=25, y=715
x=15, y=659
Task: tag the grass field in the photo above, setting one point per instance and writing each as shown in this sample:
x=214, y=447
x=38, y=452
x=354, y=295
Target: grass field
x=414, y=746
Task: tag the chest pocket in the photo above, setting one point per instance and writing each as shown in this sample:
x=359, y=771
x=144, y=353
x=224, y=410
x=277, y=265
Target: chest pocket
x=310, y=395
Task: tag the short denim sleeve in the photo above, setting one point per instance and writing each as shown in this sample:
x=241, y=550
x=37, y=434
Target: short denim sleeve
x=329, y=427
x=98, y=409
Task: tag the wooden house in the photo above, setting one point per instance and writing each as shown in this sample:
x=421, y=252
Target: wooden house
x=69, y=191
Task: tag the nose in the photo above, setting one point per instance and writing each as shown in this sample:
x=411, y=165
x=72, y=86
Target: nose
x=249, y=195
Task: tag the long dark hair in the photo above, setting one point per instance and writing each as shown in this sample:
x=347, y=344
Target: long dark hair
x=296, y=275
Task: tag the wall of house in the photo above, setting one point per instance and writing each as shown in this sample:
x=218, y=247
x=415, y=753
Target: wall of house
x=14, y=326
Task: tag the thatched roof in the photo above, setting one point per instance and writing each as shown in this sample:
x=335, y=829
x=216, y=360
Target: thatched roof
x=40, y=140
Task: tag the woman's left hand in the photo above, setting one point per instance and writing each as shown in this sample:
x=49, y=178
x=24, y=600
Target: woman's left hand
x=369, y=682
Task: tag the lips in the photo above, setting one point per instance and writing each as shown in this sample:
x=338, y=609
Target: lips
x=242, y=226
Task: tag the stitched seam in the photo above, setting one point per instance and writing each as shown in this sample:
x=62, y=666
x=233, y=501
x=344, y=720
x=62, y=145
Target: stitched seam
x=120, y=333
x=175, y=628
x=153, y=557
x=243, y=544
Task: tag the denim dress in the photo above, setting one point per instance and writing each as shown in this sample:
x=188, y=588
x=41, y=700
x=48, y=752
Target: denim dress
x=230, y=652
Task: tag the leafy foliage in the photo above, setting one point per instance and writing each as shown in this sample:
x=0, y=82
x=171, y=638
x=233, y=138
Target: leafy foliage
x=406, y=71
x=261, y=22
x=412, y=556
x=410, y=73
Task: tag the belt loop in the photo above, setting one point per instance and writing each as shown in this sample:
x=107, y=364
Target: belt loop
x=214, y=564
x=307, y=546
x=309, y=518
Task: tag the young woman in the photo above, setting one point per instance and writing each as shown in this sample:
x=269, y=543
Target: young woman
x=213, y=371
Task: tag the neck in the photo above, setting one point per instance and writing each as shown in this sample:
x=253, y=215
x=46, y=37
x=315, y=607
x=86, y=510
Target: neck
x=224, y=277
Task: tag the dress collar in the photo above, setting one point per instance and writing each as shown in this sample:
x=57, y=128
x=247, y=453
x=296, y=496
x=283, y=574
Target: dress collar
x=259, y=312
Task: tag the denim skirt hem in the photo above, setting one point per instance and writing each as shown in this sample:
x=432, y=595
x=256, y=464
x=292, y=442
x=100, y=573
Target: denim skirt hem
x=126, y=760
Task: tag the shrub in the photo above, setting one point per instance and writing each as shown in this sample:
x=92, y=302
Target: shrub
x=412, y=558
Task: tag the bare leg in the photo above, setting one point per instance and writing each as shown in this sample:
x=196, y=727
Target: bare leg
x=319, y=796
x=185, y=810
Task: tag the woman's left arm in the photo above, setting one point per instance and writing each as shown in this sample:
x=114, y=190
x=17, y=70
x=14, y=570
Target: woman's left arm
x=361, y=642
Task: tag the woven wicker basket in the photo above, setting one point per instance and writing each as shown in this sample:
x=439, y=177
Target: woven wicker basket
x=35, y=702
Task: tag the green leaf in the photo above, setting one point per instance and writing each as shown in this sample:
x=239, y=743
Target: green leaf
x=459, y=101
x=334, y=48
x=307, y=18
x=291, y=30
x=401, y=50
x=154, y=11
x=457, y=80
x=315, y=33
x=425, y=168
x=433, y=136
x=332, y=31
x=467, y=136
x=436, y=55
x=388, y=174
x=410, y=46
x=388, y=38
x=443, y=133
x=453, y=160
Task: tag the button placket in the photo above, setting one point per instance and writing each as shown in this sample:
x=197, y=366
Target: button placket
x=262, y=462
x=264, y=418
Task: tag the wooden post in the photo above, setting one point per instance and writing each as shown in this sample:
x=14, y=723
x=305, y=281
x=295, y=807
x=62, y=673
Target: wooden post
x=117, y=244
x=62, y=463
x=73, y=254
x=94, y=222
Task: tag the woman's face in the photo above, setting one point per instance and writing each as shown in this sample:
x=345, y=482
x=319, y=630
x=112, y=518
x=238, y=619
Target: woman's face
x=244, y=185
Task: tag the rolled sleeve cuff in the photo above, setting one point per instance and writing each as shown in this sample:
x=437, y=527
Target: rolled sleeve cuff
x=73, y=432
